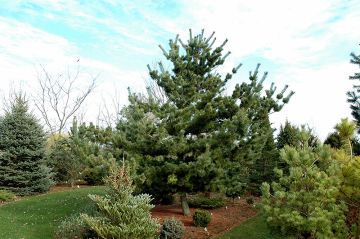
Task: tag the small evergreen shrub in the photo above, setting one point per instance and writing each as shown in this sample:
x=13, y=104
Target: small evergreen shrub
x=74, y=228
x=250, y=200
x=206, y=203
x=6, y=196
x=201, y=218
x=121, y=214
x=234, y=189
x=172, y=229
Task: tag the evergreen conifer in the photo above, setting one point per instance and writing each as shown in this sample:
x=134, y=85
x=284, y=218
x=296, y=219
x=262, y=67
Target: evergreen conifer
x=122, y=215
x=304, y=200
x=189, y=142
x=22, y=149
x=354, y=95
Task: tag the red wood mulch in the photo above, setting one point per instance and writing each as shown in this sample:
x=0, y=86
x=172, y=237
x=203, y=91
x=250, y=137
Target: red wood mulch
x=223, y=219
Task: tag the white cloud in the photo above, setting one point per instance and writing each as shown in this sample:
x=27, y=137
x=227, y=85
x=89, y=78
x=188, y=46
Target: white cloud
x=299, y=38
x=97, y=19
x=320, y=99
x=280, y=28
x=23, y=48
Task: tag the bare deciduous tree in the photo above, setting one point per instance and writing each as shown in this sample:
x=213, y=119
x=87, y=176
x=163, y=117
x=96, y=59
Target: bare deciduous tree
x=110, y=116
x=59, y=98
x=109, y=112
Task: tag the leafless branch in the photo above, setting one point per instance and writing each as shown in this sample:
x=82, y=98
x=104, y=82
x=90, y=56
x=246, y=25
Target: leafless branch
x=59, y=98
x=109, y=116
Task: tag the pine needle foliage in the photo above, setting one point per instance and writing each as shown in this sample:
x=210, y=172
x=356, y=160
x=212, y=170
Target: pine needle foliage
x=122, y=215
x=346, y=130
x=191, y=139
x=354, y=95
x=304, y=202
x=350, y=175
x=22, y=151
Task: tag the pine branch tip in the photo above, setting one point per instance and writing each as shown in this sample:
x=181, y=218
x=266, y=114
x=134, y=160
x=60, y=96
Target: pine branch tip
x=222, y=45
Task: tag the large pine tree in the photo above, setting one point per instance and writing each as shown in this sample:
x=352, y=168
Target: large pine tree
x=189, y=142
x=22, y=145
x=354, y=95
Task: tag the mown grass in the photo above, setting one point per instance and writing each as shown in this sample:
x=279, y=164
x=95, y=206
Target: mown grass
x=37, y=217
x=253, y=228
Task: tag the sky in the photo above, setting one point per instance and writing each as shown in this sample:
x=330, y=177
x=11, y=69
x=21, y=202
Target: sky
x=304, y=44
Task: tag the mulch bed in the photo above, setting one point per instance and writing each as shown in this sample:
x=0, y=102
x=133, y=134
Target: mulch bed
x=223, y=219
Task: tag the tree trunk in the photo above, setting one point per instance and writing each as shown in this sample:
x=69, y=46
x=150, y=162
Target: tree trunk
x=185, y=205
x=353, y=218
x=357, y=234
x=350, y=146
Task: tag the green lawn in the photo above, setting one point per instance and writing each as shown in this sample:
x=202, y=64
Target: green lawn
x=37, y=217
x=254, y=228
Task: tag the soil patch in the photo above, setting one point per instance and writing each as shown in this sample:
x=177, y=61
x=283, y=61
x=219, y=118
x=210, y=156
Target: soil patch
x=223, y=219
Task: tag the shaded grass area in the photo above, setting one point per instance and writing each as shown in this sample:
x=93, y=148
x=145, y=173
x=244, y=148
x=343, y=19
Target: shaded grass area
x=253, y=228
x=37, y=217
